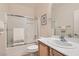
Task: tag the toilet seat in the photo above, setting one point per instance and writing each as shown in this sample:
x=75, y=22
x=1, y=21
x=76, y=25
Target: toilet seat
x=32, y=48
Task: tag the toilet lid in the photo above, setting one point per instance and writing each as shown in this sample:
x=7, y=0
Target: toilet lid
x=32, y=47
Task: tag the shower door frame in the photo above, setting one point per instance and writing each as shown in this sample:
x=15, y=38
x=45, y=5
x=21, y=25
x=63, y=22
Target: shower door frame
x=7, y=28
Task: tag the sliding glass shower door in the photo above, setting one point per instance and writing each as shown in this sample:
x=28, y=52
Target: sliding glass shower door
x=20, y=30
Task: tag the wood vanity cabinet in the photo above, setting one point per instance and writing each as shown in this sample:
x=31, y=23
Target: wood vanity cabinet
x=44, y=50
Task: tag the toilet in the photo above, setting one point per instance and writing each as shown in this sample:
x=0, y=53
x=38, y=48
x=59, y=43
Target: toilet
x=32, y=49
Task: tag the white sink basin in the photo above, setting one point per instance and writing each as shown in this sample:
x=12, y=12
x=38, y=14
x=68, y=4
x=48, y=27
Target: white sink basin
x=61, y=43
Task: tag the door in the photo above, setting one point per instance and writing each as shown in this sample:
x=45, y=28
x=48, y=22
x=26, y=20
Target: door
x=43, y=50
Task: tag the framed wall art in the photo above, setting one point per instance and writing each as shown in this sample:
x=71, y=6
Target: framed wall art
x=44, y=19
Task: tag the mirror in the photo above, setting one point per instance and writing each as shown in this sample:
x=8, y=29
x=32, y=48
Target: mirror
x=76, y=23
x=62, y=19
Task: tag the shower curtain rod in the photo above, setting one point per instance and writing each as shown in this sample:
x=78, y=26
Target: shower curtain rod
x=19, y=16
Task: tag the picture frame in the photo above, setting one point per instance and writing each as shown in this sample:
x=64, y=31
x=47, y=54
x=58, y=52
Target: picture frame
x=44, y=19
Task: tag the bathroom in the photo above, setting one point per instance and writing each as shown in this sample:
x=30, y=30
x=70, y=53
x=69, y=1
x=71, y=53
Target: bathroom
x=27, y=26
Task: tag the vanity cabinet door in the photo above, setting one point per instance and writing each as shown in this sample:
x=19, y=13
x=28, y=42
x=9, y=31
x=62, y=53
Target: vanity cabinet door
x=51, y=52
x=56, y=53
x=43, y=50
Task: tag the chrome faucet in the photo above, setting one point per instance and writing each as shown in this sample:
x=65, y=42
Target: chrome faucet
x=62, y=38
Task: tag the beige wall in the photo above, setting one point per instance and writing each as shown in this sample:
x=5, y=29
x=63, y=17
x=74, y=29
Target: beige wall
x=2, y=36
x=21, y=9
x=44, y=30
x=3, y=7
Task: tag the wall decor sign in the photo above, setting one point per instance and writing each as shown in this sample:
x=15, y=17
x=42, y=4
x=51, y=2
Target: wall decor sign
x=44, y=19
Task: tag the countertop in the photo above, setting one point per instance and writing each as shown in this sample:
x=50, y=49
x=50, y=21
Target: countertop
x=66, y=51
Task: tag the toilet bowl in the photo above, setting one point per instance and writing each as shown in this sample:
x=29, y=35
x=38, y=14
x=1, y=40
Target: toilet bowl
x=32, y=48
